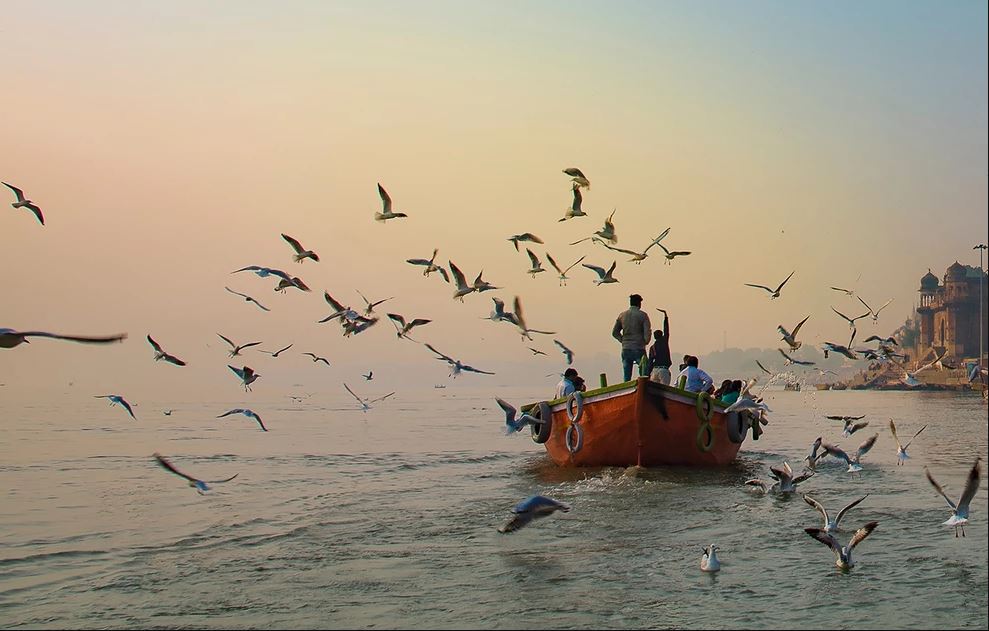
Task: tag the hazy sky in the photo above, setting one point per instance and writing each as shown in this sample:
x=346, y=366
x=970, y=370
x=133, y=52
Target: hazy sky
x=171, y=142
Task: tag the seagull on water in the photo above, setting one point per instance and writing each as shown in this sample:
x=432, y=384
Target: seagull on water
x=773, y=293
x=301, y=253
x=430, y=265
x=604, y=277
x=23, y=202
x=709, y=560
x=842, y=554
x=248, y=298
x=575, y=210
x=386, y=212
x=520, y=322
x=853, y=463
x=513, y=424
x=456, y=365
x=577, y=177
x=201, y=486
x=235, y=349
x=535, y=507
x=901, y=450
x=117, y=399
x=874, y=314
x=562, y=272
x=278, y=352
x=959, y=515
x=791, y=338
x=525, y=236
x=160, y=354
x=462, y=287
x=9, y=338
x=537, y=266
x=785, y=483
x=831, y=525
x=566, y=351
x=247, y=376
x=317, y=358
x=402, y=327
x=246, y=412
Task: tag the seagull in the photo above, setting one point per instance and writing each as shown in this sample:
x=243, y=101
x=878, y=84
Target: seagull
x=235, y=348
x=520, y=322
x=773, y=293
x=366, y=403
x=279, y=351
x=566, y=351
x=371, y=305
x=672, y=255
x=959, y=515
x=369, y=376
x=167, y=412
x=9, y=338
x=247, y=376
x=764, y=369
x=851, y=428
x=402, y=327
x=850, y=292
x=499, y=314
x=534, y=507
x=456, y=364
x=525, y=236
x=851, y=321
x=638, y=257
x=264, y=272
x=513, y=424
x=160, y=354
x=831, y=347
x=874, y=314
x=561, y=272
x=791, y=338
x=910, y=378
x=536, y=265
x=248, y=298
x=901, y=450
x=247, y=413
x=842, y=554
x=853, y=463
x=462, y=287
x=813, y=457
x=709, y=560
x=578, y=177
x=831, y=525
x=785, y=480
x=482, y=285
x=317, y=358
x=114, y=400
x=201, y=486
x=845, y=419
x=607, y=233
x=603, y=276
x=386, y=213
x=430, y=265
x=301, y=253
x=574, y=210
x=295, y=281
x=22, y=202
x=346, y=314
x=361, y=324
x=790, y=360
x=536, y=351
x=887, y=341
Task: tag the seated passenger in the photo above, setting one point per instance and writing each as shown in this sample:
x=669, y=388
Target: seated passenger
x=723, y=389
x=566, y=385
x=731, y=394
x=696, y=379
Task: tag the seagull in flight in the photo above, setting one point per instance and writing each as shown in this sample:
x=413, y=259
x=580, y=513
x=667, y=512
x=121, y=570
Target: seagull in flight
x=853, y=463
x=248, y=414
x=295, y=281
x=386, y=212
x=248, y=298
x=850, y=292
x=844, y=419
x=366, y=403
x=536, y=265
x=851, y=321
x=605, y=234
x=790, y=360
x=247, y=376
x=578, y=177
x=672, y=255
x=575, y=210
x=520, y=322
x=764, y=369
x=346, y=314
x=117, y=399
x=317, y=358
x=562, y=272
x=901, y=450
x=535, y=507
x=462, y=287
x=773, y=293
x=831, y=347
x=566, y=351
x=638, y=257
x=513, y=424
x=831, y=525
x=482, y=285
x=874, y=314
x=785, y=483
x=369, y=376
x=371, y=305
x=235, y=349
x=500, y=315
x=402, y=327
x=842, y=554
x=813, y=456
x=430, y=265
x=23, y=202
x=279, y=351
x=604, y=277
x=160, y=354
x=201, y=486
x=525, y=236
x=9, y=338
x=301, y=254
x=959, y=514
x=791, y=338
x=456, y=364
x=536, y=351
x=264, y=272
x=850, y=428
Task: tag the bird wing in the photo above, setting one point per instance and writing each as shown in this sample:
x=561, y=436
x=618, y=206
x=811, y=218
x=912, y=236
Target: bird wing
x=847, y=508
x=622, y=250
x=237, y=371
x=865, y=304
x=233, y=411
x=796, y=329
x=578, y=199
x=823, y=511
x=418, y=261
x=442, y=356
x=571, y=171
x=443, y=274
x=679, y=253
x=764, y=369
x=172, y=359
x=385, y=199
x=783, y=353
x=937, y=487
x=397, y=318
x=835, y=451
x=843, y=315
x=806, y=475
x=612, y=268
x=243, y=346
x=912, y=437
x=332, y=302
x=223, y=480
x=866, y=446
x=892, y=430
x=382, y=398
x=18, y=192
x=359, y=400
x=418, y=322
x=872, y=338
x=862, y=533
x=844, y=290
x=75, y=338
x=884, y=306
x=472, y=369
x=597, y=270
x=971, y=485
x=237, y=292
x=458, y=275
x=285, y=349
x=127, y=407
x=758, y=483
x=154, y=344
x=553, y=263
x=786, y=280
x=295, y=244
x=227, y=340
x=825, y=538
x=533, y=258
x=519, y=318
x=528, y=236
x=170, y=467
x=746, y=284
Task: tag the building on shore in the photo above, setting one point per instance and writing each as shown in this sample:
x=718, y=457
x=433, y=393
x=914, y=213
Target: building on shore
x=948, y=315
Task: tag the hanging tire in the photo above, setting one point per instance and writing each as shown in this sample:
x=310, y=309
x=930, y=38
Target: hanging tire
x=705, y=407
x=541, y=431
x=737, y=424
x=575, y=401
x=575, y=438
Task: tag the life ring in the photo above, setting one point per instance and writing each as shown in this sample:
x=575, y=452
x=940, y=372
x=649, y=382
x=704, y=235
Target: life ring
x=705, y=437
x=704, y=407
x=541, y=431
x=737, y=424
x=575, y=438
x=576, y=400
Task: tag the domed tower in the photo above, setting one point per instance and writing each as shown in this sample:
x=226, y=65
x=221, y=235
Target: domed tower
x=929, y=286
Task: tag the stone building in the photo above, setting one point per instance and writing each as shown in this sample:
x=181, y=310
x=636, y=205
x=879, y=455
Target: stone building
x=948, y=315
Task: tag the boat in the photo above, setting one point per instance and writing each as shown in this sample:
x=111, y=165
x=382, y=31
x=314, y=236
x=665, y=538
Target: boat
x=439, y=386
x=640, y=423
x=822, y=386
x=792, y=385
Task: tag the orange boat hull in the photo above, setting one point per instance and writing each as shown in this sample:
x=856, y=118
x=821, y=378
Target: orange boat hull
x=644, y=424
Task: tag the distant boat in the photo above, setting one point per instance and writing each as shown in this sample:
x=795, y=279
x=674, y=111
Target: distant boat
x=439, y=386
x=792, y=385
x=641, y=423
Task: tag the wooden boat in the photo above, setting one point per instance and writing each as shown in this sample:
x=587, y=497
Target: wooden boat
x=642, y=423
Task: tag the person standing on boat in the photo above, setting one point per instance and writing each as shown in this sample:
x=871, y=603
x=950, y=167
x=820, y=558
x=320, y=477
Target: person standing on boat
x=659, y=354
x=633, y=330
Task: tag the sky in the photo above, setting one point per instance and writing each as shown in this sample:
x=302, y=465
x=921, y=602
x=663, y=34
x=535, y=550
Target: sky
x=171, y=143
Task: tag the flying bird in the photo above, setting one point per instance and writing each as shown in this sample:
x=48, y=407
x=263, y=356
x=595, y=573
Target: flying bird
x=604, y=277
x=785, y=483
x=525, y=236
x=23, y=202
x=402, y=327
x=364, y=402
x=536, y=351
x=116, y=399
x=386, y=212
x=844, y=419
x=520, y=322
x=773, y=293
x=248, y=298
x=369, y=309
x=456, y=365
x=813, y=456
x=853, y=463
x=831, y=525
x=670, y=255
x=578, y=177
x=513, y=424
x=562, y=272
x=481, y=284
x=462, y=287
x=201, y=486
x=842, y=554
x=235, y=349
x=790, y=360
x=709, y=560
x=301, y=253
x=500, y=315
x=248, y=414
x=160, y=354
x=850, y=292
x=535, y=507
x=536, y=265
x=279, y=351
x=295, y=281
x=575, y=210
x=430, y=265
x=247, y=376
x=339, y=311
x=850, y=428
x=369, y=376
x=317, y=358
x=764, y=369
x=791, y=338
x=847, y=351
x=605, y=234
x=874, y=314
x=9, y=338
x=264, y=272
x=566, y=351
x=901, y=450
x=851, y=321
x=959, y=514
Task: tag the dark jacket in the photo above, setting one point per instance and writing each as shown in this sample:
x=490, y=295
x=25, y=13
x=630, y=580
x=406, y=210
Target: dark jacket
x=659, y=353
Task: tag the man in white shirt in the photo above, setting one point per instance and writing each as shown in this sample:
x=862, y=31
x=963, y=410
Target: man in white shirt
x=696, y=379
x=566, y=386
